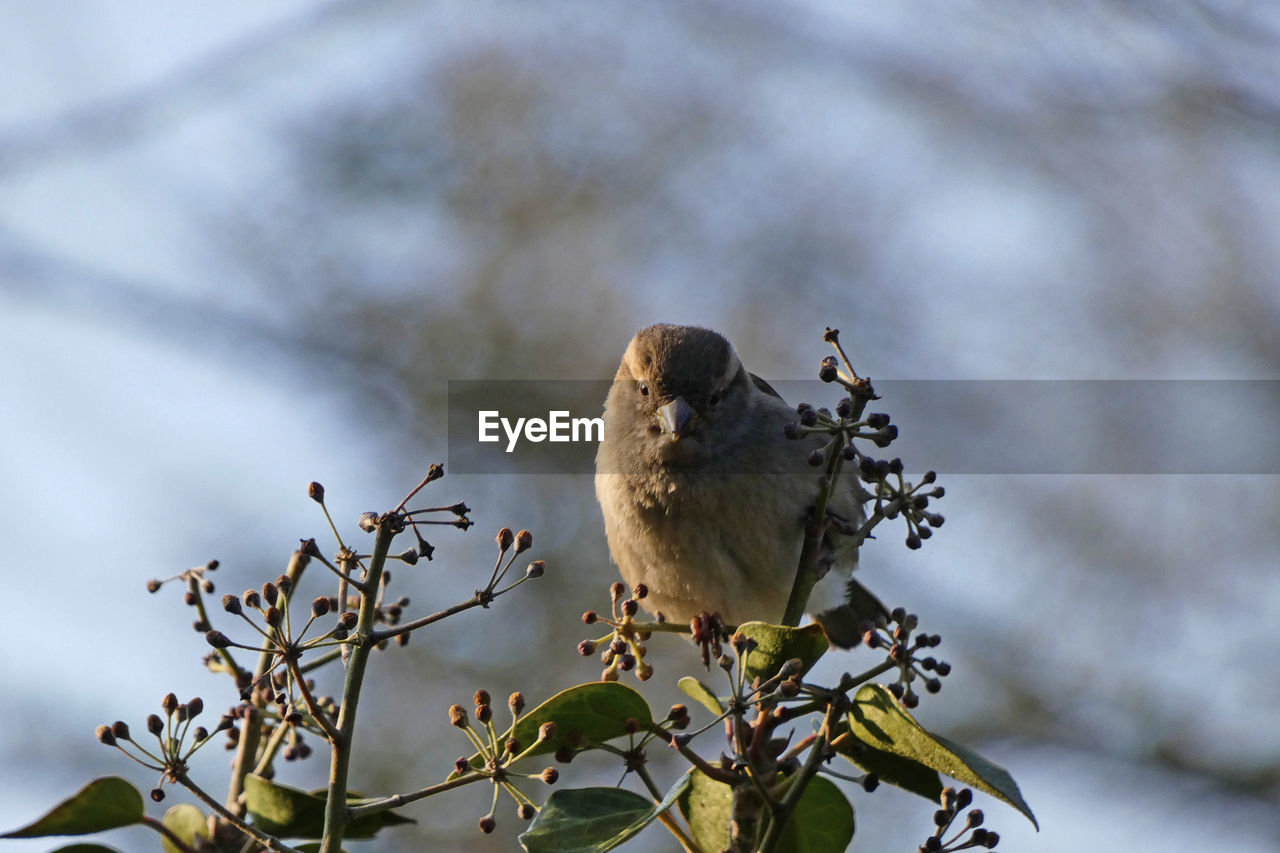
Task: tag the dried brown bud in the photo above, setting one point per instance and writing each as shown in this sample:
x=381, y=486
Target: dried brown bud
x=481, y=697
x=524, y=541
x=547, y=731
x=516, y=702
x=536, y=569
x=504, y=538
x=488, y=824
x=630, y=607
x=157, y=794
x=155, y=725
x=320, y=606
x=484, y=713
x=461, y=766
x=194, y=707
x=120, y=729
x=269, y=592
x=458, y=715
x=154, y=585
x=231, y=604
x=616, y=590
x=315, y=491
x=550, y=775
x=512, y=746
x=590, y=617
x=348, y=620
x=251, y=599
x=274, y=616
x=104, y=735
x=368, y=522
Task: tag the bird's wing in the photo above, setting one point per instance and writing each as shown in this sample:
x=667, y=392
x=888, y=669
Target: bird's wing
x=764, y=386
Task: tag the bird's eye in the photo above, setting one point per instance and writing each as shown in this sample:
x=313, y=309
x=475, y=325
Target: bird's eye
x=715, y=398
x=644, y=388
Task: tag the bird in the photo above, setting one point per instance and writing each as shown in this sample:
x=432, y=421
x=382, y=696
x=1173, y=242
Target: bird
x=704, y=497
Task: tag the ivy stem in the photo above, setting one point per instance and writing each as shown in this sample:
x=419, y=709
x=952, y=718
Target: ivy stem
x=336, y=812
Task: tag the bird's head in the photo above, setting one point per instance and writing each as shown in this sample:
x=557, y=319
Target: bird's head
x=682, y=389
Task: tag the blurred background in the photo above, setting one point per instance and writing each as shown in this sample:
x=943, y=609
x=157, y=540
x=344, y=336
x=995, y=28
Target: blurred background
x=245, y=246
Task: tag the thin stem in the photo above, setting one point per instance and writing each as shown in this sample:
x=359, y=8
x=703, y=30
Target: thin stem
x=313, y=708
x=337, y=813
x=396, y=800
x=273, y=844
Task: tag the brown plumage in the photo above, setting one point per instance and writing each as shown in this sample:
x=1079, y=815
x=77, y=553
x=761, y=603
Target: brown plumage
x=704, y=498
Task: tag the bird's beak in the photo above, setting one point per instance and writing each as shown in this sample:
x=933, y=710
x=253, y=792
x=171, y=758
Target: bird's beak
x=676, y=418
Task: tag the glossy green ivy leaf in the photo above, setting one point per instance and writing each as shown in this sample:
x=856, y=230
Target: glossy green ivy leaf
x=105, y=803
x=822, y=822
x=700, y=693
x=596, y=712
x=707, y=806
x=777, y=644
x=188, y=823
x=593, y=820
x=877, y=720
x=292, y=813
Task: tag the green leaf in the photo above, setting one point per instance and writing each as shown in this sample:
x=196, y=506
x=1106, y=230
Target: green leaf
x=700, y=693
x=593, y=820
x=707, y=805
x=821, y=823
x=105, y=803
x=596, y=712
x=777, y=644
x=188, y=823
x=86, y=848
x=293, y=813
x=878, y=721
x=892, y=769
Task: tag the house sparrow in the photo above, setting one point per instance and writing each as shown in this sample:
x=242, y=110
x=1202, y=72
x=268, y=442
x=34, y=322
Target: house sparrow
x=705, y=500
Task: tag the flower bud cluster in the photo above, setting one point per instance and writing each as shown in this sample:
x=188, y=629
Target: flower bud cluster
x=970, y=834
x=903, y=647
x=498, y=753
x=623, y=648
